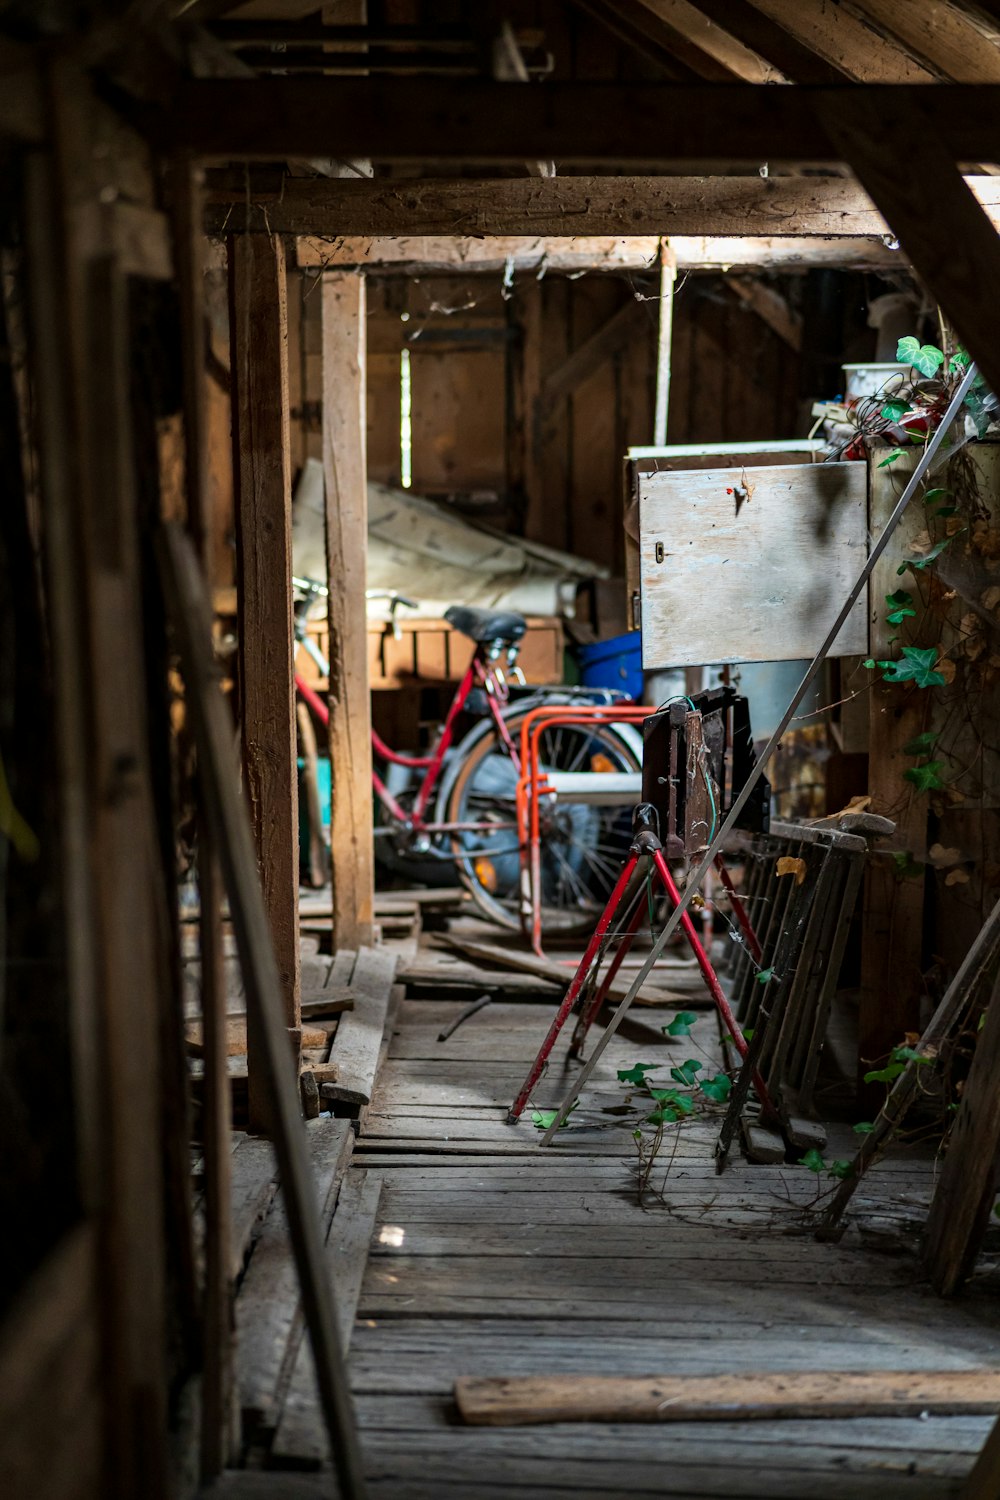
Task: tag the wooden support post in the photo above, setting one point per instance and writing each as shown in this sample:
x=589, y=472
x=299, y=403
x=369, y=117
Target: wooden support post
x=668, y=281
x=217, y=1310
x=346, y=481
x=258, y=332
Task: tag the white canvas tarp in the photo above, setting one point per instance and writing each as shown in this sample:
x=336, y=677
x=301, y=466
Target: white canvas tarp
x=420, y=549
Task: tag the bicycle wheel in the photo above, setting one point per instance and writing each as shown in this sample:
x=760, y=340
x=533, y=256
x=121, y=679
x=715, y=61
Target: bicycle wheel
x=583, y=844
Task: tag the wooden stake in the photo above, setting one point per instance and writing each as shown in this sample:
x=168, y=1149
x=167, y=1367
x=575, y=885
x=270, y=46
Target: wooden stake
x=217, y=1311
x=191, y=620
x=345, y=472
x=668, y=281
x=261, y=470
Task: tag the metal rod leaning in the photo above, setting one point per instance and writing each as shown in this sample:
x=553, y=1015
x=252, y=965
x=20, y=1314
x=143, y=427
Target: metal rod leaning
x=695, y=880
x=905, y=1088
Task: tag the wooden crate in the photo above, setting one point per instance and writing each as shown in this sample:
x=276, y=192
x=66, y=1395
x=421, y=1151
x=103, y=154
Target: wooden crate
x=430, y=651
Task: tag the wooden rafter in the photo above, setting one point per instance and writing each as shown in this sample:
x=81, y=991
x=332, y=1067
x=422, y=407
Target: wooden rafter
x=416, y=120
x=718, y=206
x=920, y=191
x=944, y=37
x=747, y=24
x=676, y=31
x=852, y=45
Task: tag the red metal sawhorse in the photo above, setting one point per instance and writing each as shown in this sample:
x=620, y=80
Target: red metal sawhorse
x=645, y=844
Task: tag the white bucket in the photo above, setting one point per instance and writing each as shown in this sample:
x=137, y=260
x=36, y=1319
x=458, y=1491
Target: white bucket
x=873, y=380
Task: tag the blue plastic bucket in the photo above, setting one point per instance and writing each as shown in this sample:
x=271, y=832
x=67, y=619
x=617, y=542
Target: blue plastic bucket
x=613, y=664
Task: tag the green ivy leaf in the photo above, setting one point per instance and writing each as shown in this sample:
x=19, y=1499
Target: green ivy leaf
x=681, y=1024
x=543, y=1118
x=980, y=415
x=946, y=510
x=928, y=557
x=764, y=976
x=687, y=1070
x=665, y=1115
x=908, y=1054
x=906, y=867
x=916, y=666
x=840, y=1168
x=636, y=1073
x=921, y=743
x=863, y=1127
x=886, y=1074
x=896, y=453
x=893, y=410
x=682, y=1102
x=923, y=357
x=717, y=1088
x=814, y=1161
x=925, y=778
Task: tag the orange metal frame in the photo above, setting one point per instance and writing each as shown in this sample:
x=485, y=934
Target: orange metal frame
x=533, y=785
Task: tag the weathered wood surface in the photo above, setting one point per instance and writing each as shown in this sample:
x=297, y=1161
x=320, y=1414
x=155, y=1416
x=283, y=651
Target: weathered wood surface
x=346, y=507
x=756, y=1394
x=261, y=467
x=268, y=1309
x=492, y=1259
x=301, y=1437
x=693, y=207
x=794, y=546
x=424, y=254
x=358, y=1041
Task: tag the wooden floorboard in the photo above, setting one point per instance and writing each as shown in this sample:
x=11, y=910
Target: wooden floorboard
x=492, y=1256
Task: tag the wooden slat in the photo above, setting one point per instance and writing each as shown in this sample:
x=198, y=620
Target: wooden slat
x=351, y=840
x=253, y=1184
x=358, y=1041
x=268, y=1309
x=781, y=207
x=261, y=466
x=749, y=24
x=591, y=354
x=677, y=30
x=300, y=1437
x=725, y=1398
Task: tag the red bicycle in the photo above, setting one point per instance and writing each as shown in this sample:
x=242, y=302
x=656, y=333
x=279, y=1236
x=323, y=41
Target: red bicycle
x=456, y=804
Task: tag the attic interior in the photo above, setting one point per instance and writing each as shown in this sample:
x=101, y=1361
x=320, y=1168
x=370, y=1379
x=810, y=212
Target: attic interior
x=499, y=784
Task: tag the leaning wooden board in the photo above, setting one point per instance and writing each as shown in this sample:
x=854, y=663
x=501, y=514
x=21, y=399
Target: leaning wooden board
x=358, y=1041
x=516, y=1402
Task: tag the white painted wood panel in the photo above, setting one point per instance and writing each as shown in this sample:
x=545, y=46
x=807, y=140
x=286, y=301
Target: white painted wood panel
x=761, y=582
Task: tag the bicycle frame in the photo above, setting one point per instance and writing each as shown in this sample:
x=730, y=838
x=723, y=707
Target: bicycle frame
x=480, y=673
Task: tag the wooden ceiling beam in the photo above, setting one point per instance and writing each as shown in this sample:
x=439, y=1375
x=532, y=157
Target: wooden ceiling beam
x=718, y=206
x=798, y=63
x=851, y=44
x=945, y=38
x=471, y=121
x=452, y=255
x=954, y=247
x=678, y=31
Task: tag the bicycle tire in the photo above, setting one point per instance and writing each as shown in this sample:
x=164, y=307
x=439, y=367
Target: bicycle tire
x=583, y=846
